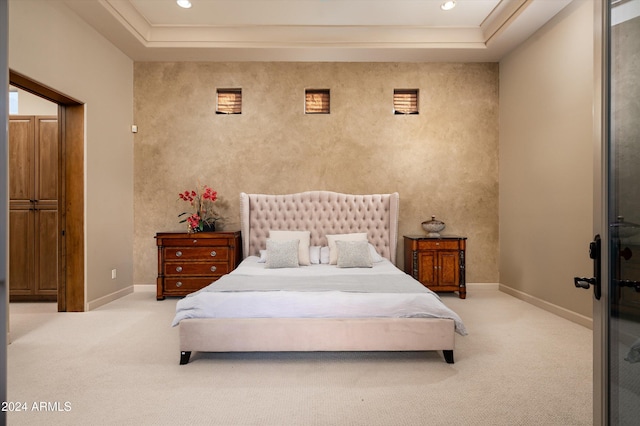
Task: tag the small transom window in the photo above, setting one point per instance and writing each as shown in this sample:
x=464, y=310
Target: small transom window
x=405, y=101
x=317, y=101
x=229, y=101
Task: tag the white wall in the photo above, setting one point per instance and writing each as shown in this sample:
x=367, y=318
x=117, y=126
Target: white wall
x=29, y=104
x=50, y=44
x=546, y=163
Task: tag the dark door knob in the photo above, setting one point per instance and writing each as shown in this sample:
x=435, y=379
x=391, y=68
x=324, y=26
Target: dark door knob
x=584, y=282
x=594, y=253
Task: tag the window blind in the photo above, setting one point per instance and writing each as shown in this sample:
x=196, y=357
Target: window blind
x=229, y=101
x=405, y=101
x=317, y=101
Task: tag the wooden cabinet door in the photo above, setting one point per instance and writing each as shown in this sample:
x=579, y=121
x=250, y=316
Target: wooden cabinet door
x=448, y=268
x=21, y=194
x=46, y=207
x=21, y=272
x=33, y=215
x=46, y=253
x=21, y=159
x=439, y=268
x=46, y=161
x=428, y=263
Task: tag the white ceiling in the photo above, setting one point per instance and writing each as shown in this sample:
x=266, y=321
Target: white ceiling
x=316, y=30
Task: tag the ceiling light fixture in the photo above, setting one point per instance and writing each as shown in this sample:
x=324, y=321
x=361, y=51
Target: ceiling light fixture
x=186, y=4
x=448, y=5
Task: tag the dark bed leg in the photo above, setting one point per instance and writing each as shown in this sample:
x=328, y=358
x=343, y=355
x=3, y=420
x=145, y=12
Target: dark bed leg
x=448, y=356
x=185, y=355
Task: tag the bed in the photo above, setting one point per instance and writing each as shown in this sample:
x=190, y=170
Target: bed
x=330, y=302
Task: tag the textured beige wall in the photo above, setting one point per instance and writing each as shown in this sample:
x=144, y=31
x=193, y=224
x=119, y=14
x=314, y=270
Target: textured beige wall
x=443, y=161
x=547, y=161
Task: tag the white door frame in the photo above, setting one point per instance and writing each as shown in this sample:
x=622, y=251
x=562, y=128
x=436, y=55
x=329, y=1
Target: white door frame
x=600, y=326
x=600, y=219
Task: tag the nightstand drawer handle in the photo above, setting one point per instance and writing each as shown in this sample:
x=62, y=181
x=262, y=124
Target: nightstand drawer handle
x=195, y=241
x=179, y=269
x=213, y=269
x=178, y=253
x=213, y=253
x=179, y=284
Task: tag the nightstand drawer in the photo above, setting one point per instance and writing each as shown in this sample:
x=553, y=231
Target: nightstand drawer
x=196, y=268
x=182, y=286
x=438, y=245
x=199, y=253
x=195, y=241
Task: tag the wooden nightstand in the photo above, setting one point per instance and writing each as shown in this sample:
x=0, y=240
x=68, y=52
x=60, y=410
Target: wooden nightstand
x=189, y=262
x=438, y=263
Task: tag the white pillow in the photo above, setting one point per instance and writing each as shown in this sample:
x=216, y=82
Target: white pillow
x=282, y=254
x=353, y=254
x=333, y=251
x=303, y=236
x=324, y=255
x=263, y=256
x=314, y=255
x=375, y=256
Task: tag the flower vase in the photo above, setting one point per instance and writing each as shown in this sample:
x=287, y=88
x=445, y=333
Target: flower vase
x=208, y=227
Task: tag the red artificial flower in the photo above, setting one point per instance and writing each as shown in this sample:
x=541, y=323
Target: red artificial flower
x=202, y=200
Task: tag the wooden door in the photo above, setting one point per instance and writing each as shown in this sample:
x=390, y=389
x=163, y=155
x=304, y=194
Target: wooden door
x=33, y=208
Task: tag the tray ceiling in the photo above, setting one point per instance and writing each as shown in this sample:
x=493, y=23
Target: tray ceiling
x=316, y=30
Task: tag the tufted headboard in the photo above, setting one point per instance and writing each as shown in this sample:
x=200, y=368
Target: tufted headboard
x=321, y=213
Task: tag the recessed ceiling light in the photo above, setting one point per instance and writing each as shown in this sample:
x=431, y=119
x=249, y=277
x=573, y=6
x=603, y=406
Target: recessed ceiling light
x=448, y=5
x=184, y=3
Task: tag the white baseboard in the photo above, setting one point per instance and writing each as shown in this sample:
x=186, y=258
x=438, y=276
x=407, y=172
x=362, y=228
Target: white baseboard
x=549, y=307
x=483, y=286
x=144, y=287
x=94, y=304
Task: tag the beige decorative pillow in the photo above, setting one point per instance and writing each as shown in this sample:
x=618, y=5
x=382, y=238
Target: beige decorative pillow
x=353, y=254
x=303, y=236
x=282, y=254
x=331, y=239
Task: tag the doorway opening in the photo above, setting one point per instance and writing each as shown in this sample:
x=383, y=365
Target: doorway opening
x=70, y=218
x=33, y=198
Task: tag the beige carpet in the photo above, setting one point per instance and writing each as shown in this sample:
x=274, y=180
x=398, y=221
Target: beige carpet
x=118, y=364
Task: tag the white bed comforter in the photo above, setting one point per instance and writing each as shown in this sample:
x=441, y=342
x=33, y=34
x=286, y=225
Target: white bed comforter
x=316, y=291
